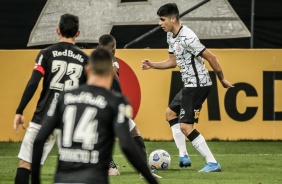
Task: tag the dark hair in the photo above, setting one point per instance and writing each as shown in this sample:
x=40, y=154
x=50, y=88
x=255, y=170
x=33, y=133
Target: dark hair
x=69, y=25
x=106, y=39
x=168, y=10
x=101, y=62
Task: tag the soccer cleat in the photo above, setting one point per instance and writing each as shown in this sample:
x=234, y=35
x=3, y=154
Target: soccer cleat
x=184, y=161
x=211, y=167
x=113, y=172
x=155, y=175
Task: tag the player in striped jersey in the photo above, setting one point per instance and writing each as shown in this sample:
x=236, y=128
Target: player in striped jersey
x=187, y=52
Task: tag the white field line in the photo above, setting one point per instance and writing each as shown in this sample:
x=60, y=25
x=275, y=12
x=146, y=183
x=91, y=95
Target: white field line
x=191, y=155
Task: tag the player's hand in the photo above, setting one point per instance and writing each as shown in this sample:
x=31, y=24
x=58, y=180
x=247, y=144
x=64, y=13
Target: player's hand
x=226, y=84
x=19, y=119
x=146, y=64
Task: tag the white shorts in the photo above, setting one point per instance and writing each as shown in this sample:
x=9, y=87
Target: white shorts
x=27, y=144
x=131, y=124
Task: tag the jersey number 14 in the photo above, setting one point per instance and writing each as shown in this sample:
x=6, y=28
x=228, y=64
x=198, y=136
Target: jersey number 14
x=84, y=132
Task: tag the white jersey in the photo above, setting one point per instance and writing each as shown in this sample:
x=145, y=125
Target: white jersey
x=187, y=49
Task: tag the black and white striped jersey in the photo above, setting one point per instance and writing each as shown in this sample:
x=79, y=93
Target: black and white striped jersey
x=187, y=49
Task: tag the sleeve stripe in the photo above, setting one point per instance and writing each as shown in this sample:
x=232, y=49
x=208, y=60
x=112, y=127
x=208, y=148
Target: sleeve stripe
x=40, y=69
x=200, y=53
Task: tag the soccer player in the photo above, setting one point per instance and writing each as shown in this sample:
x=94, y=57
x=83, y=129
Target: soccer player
x=62, y=67
x=187, y=52
x=88, y=119
x=109, y=42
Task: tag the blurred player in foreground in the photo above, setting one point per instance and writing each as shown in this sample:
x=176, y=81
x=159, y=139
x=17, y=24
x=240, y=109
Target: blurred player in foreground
x=88, y=119
x=109, y=42
x=187, y=52
x=62, y=67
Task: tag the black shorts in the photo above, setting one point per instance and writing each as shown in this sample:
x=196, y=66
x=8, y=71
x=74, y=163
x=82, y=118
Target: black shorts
x=176, y=102
x=188, y=103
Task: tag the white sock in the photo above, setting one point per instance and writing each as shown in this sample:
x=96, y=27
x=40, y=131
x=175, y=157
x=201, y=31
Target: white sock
x=201, y=146
x=179, y=139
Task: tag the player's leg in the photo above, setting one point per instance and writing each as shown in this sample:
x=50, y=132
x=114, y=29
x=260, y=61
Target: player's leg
x=25, y=154
x=139, y=142
x=23, y=173
x=138, y=138
x=172, y=113
x=113, y=170
x=191, y=106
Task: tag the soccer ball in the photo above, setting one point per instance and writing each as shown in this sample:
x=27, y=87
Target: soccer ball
x=159, y=159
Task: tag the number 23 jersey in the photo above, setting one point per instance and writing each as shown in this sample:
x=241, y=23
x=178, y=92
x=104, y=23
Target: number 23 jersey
x=62, y=67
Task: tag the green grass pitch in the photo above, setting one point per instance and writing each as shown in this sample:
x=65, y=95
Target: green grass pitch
x=243, y=162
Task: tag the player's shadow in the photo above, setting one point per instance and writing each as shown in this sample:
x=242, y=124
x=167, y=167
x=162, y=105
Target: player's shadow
x=174, y=170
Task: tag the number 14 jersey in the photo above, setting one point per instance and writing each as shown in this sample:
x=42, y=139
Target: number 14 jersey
x=62, y=67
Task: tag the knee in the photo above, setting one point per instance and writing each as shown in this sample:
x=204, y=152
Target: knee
x=169, y=114
x=135, y=132
x=24, y=164
x=183, y=130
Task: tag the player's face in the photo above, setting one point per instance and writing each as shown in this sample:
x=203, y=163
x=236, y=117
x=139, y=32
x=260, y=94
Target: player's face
x=166, y=23
x=111, y=47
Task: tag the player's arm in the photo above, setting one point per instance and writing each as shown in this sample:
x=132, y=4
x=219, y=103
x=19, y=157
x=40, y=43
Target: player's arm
x=216, y=67
x=29, y=90
x=26, y=97
x=126, y=143
x=49, y=123
x=38, y=72
x=116, y=85
x=168, y=63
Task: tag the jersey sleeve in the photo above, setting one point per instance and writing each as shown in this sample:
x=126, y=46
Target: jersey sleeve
x=193, y=44
x=170, y=49
x=116, y=65
x=40, y=62
x=49, y=123
x=38, y=72
x=121, y=127
x=29, y=90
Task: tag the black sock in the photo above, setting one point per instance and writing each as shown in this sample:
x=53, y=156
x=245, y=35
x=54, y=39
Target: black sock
x=173, y=122
x=22, y=176
x=193, y=135
x=140, y=142
x=112, y=164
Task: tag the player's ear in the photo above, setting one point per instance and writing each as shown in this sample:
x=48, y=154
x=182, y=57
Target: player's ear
x=58, y=31
x=77, y=34
x=87, y=69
